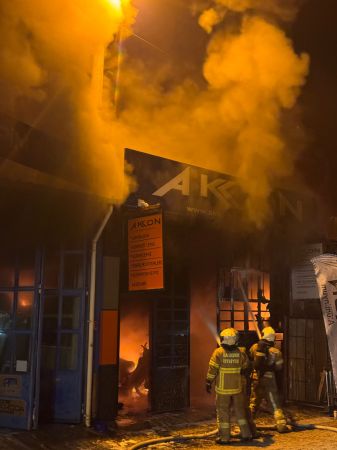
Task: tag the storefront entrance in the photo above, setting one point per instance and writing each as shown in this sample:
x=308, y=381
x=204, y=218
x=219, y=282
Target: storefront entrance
x=19, y=317
x=154, y=348
x=42, y=298
x=63, y=312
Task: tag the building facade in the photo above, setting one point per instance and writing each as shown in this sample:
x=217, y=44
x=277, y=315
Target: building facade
x=172, y=267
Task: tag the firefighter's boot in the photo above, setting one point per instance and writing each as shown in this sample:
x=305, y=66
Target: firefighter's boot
x=222, y=441
x=255, y=434
x=281, y=422
x=224, y=433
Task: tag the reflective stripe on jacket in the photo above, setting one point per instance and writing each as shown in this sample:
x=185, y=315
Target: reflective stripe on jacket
x=225, y=367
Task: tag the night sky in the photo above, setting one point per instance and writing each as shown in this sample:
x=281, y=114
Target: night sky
x=315, y=31
x=169, y=25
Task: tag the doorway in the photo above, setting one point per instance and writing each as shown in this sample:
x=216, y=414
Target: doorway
x=154, y=347
x=19, y=306
x=134, y=355
x=42, y=310
x=62, y=339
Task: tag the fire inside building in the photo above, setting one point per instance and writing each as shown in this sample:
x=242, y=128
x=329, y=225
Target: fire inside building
x=106, y=308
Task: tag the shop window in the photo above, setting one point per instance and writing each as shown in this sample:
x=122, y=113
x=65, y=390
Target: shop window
x=73, y=271
x=233, y=311
x=225, y=316
x=24, y=310
x=6, y=310
x=52, y=271
x=251, y=325
x=5, y=352
x=7, y=271
x=70, y=312
x=27, y=270
x=68, y=351
x=240, y=326
x=239, y=316
x=50, y=313
x=49, y=346
x=22, y=352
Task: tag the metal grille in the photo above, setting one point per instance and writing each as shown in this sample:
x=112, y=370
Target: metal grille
x=232, y=309
x=307, y=349
x=170, y=347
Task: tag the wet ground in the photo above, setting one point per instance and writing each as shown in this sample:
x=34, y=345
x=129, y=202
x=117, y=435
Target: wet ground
x=132, y=430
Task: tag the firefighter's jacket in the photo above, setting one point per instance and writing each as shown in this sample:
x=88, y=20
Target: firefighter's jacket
x=225, y=368
x=272, y=361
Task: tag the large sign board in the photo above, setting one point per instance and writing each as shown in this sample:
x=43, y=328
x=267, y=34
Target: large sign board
x=145, y=252
x=303, y=280
x=186, y=189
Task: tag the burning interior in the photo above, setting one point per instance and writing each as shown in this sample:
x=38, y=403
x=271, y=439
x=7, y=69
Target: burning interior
x=134, y=356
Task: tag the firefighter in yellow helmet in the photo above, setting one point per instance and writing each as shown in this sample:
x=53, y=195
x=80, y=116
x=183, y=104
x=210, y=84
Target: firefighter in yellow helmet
x=267, y=360
x=225, y=368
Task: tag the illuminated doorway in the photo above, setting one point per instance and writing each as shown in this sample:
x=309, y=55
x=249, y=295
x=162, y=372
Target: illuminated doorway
x=134, y=355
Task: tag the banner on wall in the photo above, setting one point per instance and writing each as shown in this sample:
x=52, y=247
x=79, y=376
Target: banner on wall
x=145, y=253
x=326, y=276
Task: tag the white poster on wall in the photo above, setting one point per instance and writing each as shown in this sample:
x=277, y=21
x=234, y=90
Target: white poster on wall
x=303, y=280
x=326, y=276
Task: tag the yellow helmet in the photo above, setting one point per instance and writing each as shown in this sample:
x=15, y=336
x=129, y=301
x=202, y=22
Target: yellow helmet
x=268, y=333
x=229, y=336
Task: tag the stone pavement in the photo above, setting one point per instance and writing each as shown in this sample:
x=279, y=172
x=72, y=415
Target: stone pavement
x=131, y=430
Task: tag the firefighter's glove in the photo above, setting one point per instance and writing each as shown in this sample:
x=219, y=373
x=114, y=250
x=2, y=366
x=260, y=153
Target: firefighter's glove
x=208, y=386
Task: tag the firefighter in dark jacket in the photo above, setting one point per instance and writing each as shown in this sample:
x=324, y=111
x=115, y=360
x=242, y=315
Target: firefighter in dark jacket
x=267, y=359
x=226, y=366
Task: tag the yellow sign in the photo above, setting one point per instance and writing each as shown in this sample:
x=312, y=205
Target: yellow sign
x=145, y=245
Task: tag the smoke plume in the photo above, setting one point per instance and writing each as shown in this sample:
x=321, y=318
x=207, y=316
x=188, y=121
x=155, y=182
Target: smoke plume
x=234, y=124
x=50, y=60
x=230, y=121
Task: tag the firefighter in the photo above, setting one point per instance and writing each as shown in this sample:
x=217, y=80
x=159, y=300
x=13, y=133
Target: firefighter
x=267, y=360
x=226, y=366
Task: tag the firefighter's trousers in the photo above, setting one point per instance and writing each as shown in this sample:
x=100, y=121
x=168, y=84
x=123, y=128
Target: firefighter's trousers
x=265, y=387
x=223, y=404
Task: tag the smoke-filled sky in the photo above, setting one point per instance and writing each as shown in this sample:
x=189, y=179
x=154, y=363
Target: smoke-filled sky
x=232, y=85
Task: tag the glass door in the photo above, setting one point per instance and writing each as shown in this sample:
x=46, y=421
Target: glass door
x=63, y=312
x=19, y=340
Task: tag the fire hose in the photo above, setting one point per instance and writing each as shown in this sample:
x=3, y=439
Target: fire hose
x=187, y=437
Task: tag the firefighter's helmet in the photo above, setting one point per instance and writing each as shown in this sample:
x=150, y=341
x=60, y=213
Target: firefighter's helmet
x=229, y=336
x=268, y=333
